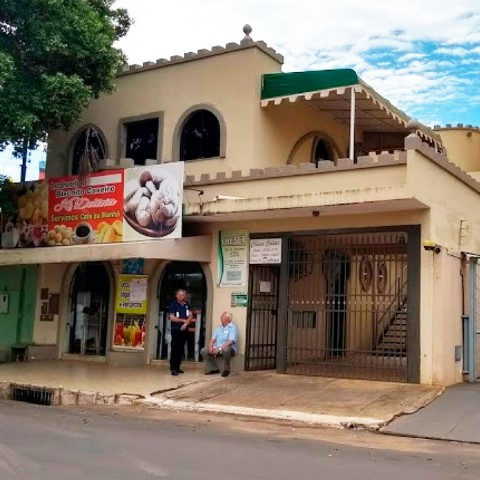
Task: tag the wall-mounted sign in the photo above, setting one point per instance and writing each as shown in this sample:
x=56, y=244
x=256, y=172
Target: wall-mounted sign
x=265, y=250
x=131, y=294
x=130, y=310
x=106, y=207
x=233, y=258
x=239, y=299
x=89, y=211
x=133, y=266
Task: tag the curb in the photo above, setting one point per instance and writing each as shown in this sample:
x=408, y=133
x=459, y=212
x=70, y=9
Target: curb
x=65, y=397
x=83, y=398
x=319, y=420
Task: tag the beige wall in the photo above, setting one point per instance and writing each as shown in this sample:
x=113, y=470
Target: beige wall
x=230, y=82
x=447, y=318
x=463, y=147
x=255, y=137
x=51, y=277
x=279, y=127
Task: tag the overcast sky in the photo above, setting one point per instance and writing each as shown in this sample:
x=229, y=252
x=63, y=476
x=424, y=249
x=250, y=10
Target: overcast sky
x=423, y=55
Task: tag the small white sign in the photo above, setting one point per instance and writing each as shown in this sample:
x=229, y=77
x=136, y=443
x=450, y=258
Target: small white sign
x=265, y=250
x=265, y=287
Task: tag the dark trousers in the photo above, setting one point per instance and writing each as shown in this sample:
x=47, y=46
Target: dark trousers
x=179, y=337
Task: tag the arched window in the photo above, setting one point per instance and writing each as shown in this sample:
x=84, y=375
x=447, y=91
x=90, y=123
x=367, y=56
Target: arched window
x=321, y=150
x=200, y=136
x=88, y=149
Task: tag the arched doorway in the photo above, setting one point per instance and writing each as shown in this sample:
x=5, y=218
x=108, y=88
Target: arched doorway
x=88, y=312
x=189, y=276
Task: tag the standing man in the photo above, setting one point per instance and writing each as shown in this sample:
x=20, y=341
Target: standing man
x=180, y=315
x=222, y=344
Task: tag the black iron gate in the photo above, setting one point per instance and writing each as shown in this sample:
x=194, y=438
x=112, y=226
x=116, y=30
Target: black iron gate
x=347, y=306
x=261, y=349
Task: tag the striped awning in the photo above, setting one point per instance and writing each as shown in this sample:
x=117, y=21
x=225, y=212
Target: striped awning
x=331, y=91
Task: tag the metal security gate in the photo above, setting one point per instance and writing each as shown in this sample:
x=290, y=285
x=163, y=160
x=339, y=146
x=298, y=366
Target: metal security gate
x=347, y=306
x=261, y=349
x=471, y=325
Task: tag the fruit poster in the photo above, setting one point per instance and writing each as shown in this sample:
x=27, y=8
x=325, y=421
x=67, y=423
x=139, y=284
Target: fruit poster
x=130, y=310
x=24, y=215
x=88, y=211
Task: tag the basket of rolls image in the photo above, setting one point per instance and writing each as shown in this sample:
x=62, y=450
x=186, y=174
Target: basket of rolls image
x=151, y=203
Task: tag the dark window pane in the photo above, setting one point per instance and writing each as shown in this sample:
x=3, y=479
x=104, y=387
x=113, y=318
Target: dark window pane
x=322, y=151
x=200, y=136
x=89, y=142
x=141, y=140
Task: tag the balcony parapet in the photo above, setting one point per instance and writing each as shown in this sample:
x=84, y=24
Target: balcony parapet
x=373, y=160
x=414, y=142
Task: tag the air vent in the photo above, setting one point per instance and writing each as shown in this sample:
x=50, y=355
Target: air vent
x=36, y=395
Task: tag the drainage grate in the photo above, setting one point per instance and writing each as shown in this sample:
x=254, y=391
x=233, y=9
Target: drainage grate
x=38, y=396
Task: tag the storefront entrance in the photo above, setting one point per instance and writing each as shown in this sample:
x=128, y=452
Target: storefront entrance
x=189, y=276
x=88, y=313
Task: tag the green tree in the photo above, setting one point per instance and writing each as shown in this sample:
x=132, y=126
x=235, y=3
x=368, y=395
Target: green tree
x=55, y=56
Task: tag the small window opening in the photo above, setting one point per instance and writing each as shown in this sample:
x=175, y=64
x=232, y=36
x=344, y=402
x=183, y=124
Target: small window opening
x=141, y=139
x=200, y=137
x=322, y=151
x=88, y=150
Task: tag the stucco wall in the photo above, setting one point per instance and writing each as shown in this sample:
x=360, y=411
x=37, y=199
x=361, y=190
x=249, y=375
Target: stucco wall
x=230, y=82
x=463, y=147
x=51, y=277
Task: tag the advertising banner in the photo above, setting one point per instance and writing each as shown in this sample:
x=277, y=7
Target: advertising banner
x=130, y=312
x=131, y=294
x=233, y=258
x=134, y=204
x=24, y=215
x=152, y=200
x=86, y=212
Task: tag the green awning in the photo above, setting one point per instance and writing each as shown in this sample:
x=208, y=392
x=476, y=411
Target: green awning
x=284, y=84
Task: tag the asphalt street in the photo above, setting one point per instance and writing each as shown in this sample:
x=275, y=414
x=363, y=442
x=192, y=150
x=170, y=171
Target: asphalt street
x=56, y=443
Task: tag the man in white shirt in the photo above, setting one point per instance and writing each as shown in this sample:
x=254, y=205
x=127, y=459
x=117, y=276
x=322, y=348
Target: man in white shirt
x=222, y=344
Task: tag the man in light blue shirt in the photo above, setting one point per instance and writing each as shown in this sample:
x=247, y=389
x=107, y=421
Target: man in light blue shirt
x=222, y=344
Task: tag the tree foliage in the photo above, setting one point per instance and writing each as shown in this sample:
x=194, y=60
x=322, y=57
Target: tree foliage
x=55, y=56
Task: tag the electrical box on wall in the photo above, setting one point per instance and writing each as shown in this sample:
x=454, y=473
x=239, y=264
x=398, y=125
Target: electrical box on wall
x=4, y=297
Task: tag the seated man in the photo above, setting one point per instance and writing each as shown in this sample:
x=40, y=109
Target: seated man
x=222, y=344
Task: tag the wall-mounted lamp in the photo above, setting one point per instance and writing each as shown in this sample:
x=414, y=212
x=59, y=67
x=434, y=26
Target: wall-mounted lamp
x=430, y=246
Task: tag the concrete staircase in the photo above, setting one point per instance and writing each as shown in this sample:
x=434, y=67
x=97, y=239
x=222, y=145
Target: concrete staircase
x=393, y=342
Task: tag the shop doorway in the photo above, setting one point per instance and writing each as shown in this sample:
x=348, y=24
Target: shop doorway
x=189, y=276
x=88, y=314
x=262, y=317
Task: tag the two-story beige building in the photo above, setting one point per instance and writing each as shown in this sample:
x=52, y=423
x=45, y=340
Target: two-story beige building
x=369, y=215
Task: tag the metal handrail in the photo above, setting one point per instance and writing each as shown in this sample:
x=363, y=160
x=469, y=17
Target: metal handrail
x=395, y=304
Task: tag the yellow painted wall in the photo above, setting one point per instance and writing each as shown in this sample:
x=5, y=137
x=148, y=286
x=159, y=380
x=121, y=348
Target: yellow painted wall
x=333, y=182
x=230, y=82
x=279, y=127
x=51, y=277
x=463, y=147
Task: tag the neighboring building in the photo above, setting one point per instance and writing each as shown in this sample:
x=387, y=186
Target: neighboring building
x=353, y=188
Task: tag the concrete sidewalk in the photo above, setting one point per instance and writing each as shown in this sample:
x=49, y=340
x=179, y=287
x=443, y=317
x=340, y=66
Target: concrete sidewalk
x=453, y=416
x=313, y=400
x=98, y=377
